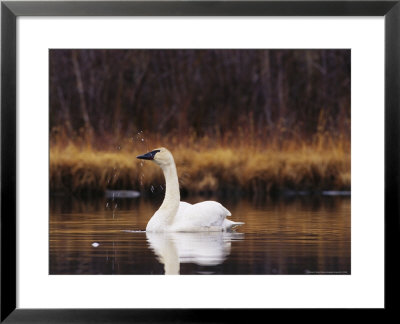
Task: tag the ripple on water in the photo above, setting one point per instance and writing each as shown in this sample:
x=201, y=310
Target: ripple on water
x=134, y=231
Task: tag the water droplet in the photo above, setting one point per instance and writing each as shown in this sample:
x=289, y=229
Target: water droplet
x=95, y=244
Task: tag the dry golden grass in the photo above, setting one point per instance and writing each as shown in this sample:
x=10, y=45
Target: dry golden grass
x=205, y=165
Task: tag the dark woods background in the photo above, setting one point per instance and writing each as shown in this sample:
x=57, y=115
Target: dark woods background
x=108, y=94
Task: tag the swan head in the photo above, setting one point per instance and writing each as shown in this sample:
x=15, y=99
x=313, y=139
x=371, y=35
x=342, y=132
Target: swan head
x=160, y=156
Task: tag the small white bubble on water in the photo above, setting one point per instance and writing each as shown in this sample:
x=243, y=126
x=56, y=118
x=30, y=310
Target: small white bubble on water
x=95, y=244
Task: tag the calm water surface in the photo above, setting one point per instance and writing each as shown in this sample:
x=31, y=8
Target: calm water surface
x=298, y=235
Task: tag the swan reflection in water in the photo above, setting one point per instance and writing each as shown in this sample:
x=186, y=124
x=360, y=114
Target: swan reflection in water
x=201, y=248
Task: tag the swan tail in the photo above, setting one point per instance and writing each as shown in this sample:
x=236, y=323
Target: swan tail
x=230, y=225
x=236, y=224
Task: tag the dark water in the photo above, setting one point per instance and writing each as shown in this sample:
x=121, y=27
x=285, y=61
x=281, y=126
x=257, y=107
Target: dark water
x=297, y=235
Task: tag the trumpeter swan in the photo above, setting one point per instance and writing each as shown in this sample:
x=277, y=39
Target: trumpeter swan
x=178, y=216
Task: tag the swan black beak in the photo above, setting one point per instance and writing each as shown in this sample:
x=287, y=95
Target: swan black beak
x=148, y=156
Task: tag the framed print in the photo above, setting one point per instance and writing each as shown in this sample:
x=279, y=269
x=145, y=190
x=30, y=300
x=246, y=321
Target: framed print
x=248, y=147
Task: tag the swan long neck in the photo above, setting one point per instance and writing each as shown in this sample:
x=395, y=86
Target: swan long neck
x=172, y=195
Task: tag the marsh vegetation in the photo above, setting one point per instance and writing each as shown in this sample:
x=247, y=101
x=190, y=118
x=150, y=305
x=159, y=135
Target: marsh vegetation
x=205, y=168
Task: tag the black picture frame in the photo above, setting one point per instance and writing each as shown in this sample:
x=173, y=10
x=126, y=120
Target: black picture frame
x=11, y=10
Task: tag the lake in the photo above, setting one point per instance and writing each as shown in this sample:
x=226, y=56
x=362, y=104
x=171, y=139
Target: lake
x=286, y=235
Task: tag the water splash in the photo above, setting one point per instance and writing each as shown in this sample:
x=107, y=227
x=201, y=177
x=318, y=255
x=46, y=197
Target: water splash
x=142, y=141
x=143, y=147
x=141, y=179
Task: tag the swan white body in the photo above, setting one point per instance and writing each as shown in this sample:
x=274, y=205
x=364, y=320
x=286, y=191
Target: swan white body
x=204, y=216
x=176, y=216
